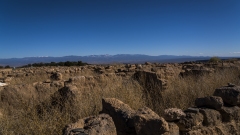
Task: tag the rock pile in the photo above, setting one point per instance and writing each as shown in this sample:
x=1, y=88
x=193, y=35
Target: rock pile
x=217, y=114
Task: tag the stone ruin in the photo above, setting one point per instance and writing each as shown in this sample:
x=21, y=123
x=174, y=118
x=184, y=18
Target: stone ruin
x=213, y=115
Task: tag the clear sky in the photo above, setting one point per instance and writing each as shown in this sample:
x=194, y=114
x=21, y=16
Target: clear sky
x=93, y=27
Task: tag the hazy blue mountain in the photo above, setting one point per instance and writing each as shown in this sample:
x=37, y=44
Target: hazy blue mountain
x=103, y=59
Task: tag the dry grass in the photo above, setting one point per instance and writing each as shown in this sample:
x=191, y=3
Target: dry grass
x=181, y=93
x=51, y=120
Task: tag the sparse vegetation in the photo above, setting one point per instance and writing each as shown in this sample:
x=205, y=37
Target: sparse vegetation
x=215, y=59
x=67, y=63
x=181, y=93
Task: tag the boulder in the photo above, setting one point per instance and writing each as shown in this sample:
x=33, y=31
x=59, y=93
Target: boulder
x=69, y=94
x=148, y=122
x=210, y=102
x=229, y=94
x=67, y=98
x=121, y=113
x=93, y=125
x=190, y=122
x=56, y=76
x=173, y=128
x=230, y=113
x=211, y=117
x=173, y=114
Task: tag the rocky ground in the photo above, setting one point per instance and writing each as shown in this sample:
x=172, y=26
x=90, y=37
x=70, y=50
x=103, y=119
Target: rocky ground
x=212, y=115
x=217, y=114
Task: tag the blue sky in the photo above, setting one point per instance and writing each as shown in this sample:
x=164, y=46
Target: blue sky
x=91, y=27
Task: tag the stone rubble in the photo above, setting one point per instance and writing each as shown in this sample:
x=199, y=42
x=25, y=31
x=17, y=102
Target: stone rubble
x=212, y=115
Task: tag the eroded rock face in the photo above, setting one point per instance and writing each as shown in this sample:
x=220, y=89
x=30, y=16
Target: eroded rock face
x=210, y=102
x=147, y=122
x=229, y=94
x=173, y=114
x=93, y=125
x=121, y=113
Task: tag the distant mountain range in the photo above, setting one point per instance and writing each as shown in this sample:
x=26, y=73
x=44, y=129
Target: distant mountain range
x=104, y=59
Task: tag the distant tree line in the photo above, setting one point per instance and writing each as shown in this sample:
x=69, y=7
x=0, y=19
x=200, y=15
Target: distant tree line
x=67, y=63
x=1, y=67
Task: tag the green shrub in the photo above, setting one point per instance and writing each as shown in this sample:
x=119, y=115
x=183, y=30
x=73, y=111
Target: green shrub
x=215, y=59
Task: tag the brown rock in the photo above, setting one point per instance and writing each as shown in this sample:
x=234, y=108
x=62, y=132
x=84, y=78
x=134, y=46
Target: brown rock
x=211, y=117
x=230, y=113
x=93, y=125
x=67, y=98
x=121, y=113
x=173, y=114
x=210, y=102
x=148, y=122
x=190, y=122
x=229, y=94
x=173, y=128
x=56, y=76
